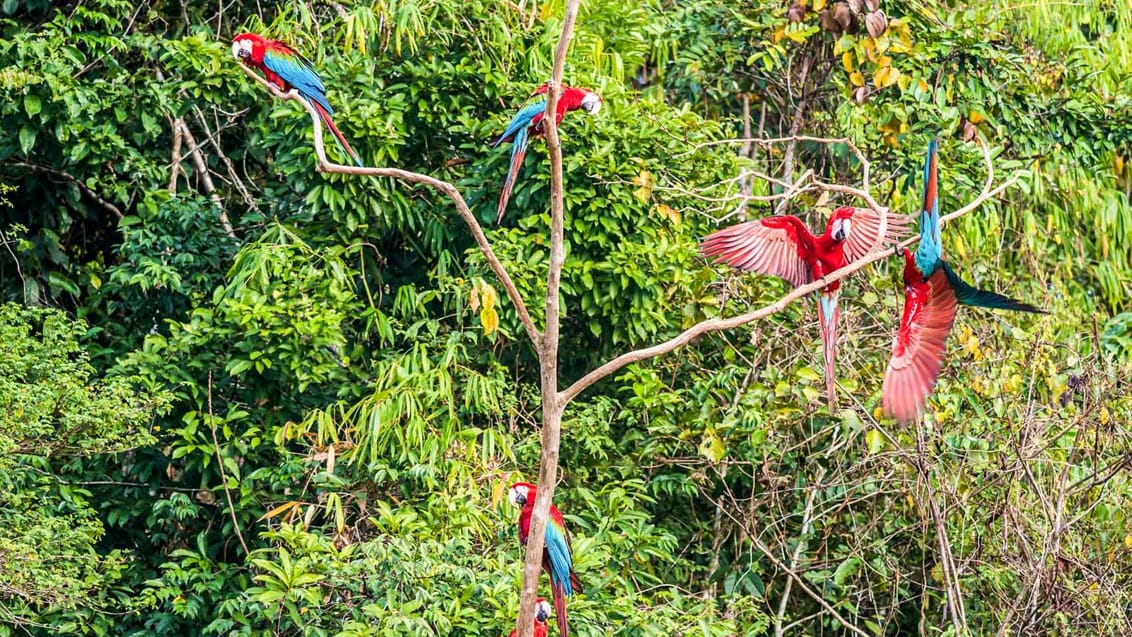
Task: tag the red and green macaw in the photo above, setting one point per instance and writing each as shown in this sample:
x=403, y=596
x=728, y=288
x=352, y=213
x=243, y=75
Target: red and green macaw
x=528, y=122
x=782, y=246
x=557, y=556
x=542, y=613
x=932, y=294
x=285, y=68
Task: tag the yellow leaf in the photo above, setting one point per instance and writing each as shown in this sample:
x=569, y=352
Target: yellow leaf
x=669, y=213
x=961, y=246
x=819, y=5
x=797, y=35
x=489, y=318
x=644, y=182
x=1105, y=416
x=779, y=33
x=474, y=300
x=1128, y=542
x=856, y=78
x=886, y=76
x=487, y=293
x=277, y=510
x=711, y=447
x=843, y=44
x=870, y=49
x=847, y=61
x=975, y=117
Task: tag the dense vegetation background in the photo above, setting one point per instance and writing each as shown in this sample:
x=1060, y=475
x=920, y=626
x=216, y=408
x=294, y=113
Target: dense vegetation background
x=238, y=397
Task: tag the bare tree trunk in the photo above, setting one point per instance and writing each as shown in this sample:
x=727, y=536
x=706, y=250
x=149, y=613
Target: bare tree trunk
x=552, y=401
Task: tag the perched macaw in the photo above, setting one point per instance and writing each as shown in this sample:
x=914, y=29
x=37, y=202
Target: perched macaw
x=542, y=613
x=528, y=122
x=782, y=246
x=557, y=556
x=287, y=69
x=932, y=293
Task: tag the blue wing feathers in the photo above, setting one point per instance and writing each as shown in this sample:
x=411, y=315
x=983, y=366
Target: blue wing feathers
x=522, y=120
x=298, y=73
x=560, y=561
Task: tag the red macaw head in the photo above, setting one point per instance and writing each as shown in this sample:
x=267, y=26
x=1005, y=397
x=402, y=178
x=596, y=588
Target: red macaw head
x=246, y=45
x=542, y=610
x=521, y=493
x=840, y=223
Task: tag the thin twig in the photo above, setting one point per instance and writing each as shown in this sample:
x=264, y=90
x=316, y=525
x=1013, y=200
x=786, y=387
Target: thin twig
x=220, y=467
x=326, y=166
x=806, y=589
x=206, y=178
x=718, y=324
x=806, y=518
x=78, y=182
x=215, y=142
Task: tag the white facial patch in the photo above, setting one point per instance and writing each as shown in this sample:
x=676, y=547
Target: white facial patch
x=543, y=609
x=241, y=49
x=591, y=103
x=515, y=494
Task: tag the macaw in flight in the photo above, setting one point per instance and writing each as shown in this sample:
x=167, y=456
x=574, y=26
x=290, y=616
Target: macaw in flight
x=285, y=68
x=557, y=555
x=542, y=613
x=782, y=246
x=528, y=122
x=932, y=293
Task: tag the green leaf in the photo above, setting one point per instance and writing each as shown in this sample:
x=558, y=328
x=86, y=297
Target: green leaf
x=27, y=139
x=32, y=105
x=874, y=440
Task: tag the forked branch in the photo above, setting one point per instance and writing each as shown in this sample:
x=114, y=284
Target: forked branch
x=453, y=193
x=718, y=324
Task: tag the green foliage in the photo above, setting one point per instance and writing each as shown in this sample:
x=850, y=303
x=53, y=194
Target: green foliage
x=334, y=414
x=52, y=409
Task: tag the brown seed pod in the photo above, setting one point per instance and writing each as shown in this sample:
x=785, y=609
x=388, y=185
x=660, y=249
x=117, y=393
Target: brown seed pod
x=825, y=19
x=796, y=12
x=861, y=95
x=873, y=5
x=876, y=23
x=969, y=130
x=843, y=15
x=857, y=6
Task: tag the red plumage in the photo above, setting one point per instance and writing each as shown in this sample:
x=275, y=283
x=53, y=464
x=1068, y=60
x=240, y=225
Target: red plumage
x=528, y=492
x=284, y=67
x=541, y=615
x=783, y=246
x=919, y=346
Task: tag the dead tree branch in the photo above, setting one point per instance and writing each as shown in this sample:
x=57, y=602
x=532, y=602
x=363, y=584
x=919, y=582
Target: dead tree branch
x=718, y=324
x=453, y=193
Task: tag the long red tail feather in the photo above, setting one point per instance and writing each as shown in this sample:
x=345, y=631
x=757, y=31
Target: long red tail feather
x=338, y=136
x=518, y=153
x=559, y=597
